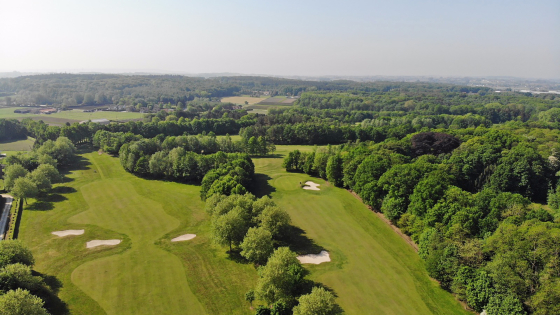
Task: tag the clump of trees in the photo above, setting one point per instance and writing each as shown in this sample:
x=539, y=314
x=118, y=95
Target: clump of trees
x=22, y=293
x=28, y=175
x=248, y=223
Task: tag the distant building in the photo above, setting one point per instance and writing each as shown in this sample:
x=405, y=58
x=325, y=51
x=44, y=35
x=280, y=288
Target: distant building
x=21, y=111
x=101, y=121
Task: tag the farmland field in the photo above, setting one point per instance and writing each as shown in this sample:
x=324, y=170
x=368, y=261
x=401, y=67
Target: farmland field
x=240, y=100
x=70, y=116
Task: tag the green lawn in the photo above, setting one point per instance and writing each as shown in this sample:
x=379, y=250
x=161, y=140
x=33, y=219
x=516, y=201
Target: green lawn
x=20, y=145
x=373, y=271
x=146, y=273
x=70, y=116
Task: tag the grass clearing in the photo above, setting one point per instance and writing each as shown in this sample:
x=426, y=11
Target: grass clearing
x=373, y=271
x=70, y=116
x=146, y=273
x=20, y=145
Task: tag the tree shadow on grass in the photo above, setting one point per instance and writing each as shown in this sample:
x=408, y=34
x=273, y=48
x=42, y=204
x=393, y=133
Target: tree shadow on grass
x=46, y=202
x=48, y=293
x=235, y=255
x=295, y=238
x=260, y=186
x=79, y=164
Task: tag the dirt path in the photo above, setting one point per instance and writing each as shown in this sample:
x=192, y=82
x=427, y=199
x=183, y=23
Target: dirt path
x=395, y=228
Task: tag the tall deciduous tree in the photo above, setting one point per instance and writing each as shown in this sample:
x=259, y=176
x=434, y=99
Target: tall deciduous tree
x=257, y=245
x=280, y=277
x=318, y=302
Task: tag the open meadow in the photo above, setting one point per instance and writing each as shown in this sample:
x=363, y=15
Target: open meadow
x=19, y=145
x=70, y=116
x=145, y=273
x=373, y=270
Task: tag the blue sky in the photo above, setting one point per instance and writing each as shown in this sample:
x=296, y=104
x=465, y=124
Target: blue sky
x=443, y=38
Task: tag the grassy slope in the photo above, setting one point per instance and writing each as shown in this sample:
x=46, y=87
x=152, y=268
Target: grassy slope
x=373, y=271
x=146, y=274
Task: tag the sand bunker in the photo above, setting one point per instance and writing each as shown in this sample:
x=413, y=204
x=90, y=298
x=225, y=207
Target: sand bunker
x=96, y=243
x=311, y=186
x=184, y=237
x=322, y=257
x=68, y=232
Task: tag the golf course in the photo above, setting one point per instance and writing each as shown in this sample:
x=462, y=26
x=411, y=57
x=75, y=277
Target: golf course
x=373, y=271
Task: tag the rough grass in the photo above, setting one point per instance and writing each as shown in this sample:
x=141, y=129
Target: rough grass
x=20, y=145
x=146, y=273
x=70, y=116
x=373, y=271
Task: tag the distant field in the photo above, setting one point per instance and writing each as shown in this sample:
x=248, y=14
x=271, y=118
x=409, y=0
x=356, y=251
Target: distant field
x=240, y=100
x=70, y=116
x=21, y=145
x=373, y=271
x=278, y=100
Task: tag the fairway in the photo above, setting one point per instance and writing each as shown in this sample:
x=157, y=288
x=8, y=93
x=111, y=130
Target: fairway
x=145, y=273
x=70, y=116
x=373, y=271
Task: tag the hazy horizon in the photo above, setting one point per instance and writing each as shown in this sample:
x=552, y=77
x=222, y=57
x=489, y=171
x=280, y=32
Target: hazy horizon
x=357, y=38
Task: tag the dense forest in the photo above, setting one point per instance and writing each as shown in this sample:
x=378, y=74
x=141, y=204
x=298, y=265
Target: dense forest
x=471, y=175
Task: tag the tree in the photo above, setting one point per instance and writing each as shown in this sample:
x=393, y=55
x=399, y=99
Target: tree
x=250, y=296
x=334, y=170
x=229, y=229
x=18, y=275
x=318, y=302
x=257, y=245
x=274, y=219
x=280, y=277
x=40, y=180
x=24, y=188
x=21, y=302
x=504, y=304
x=13, y=251
x=49, y=171
x=12, y=173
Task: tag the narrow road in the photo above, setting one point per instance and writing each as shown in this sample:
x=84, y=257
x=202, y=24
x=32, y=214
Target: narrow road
x=5, y=215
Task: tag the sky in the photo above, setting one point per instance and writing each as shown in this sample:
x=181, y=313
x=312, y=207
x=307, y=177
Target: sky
x=308, y=38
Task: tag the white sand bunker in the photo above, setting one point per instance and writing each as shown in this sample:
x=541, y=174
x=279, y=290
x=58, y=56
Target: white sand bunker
x=311, y=186
x=322, y=257
x=68, y=232
x=184, y=237
x=96, y=243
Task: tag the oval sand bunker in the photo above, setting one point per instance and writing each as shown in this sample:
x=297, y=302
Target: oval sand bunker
x=68, y=232
x=316, y=259
x=96, y=243
x=311, y=186
x=184, y=237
